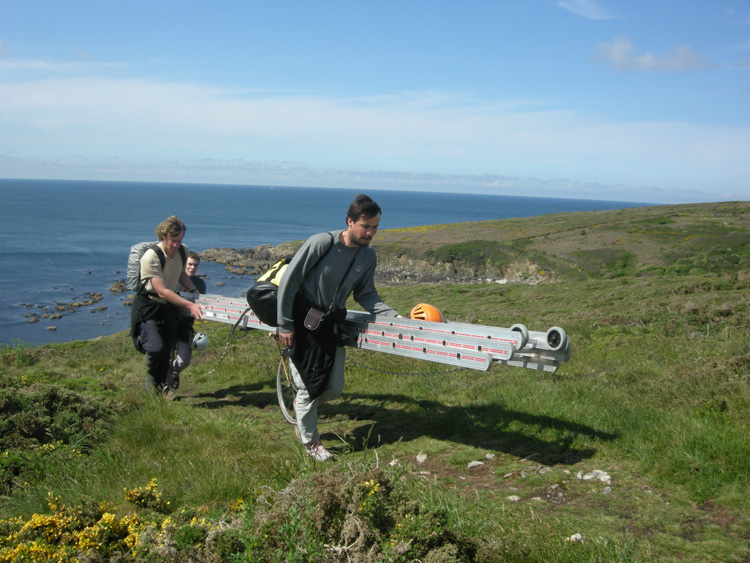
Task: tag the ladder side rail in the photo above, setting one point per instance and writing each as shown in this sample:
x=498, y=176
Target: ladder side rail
x=449, y=328
x=497, y=350
x=472, y=360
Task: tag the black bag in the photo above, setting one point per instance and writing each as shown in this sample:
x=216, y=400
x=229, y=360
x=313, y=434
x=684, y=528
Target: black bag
x=263, y=298
x=263, y=295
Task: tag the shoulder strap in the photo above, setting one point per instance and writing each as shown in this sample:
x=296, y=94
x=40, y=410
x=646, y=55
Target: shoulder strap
x=346, y=274
x=162, y=261
x=160, y=254
x=330, y=246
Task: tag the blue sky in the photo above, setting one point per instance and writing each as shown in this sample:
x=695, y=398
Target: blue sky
x=597, y=99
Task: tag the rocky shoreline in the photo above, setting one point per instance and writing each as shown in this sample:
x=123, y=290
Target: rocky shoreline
x=248, y=261
x=392, y=270
x=255, y=261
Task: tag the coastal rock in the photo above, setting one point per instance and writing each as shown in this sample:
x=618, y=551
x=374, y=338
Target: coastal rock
x=393, y=269
x=90, y=299
x=71, y=307
x=248, y=261
x=118, y=287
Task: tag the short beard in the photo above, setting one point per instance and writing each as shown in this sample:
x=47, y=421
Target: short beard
x=358, y=241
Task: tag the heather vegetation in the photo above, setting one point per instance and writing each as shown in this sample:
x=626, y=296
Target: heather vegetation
x=634, y=450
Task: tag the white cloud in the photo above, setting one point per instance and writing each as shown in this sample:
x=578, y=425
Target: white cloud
x=588, y=9
x=177, y=131
x=245, y=172
x=620, y=53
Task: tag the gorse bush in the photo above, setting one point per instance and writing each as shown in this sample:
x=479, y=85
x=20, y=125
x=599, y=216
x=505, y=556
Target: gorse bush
x=340, y=515
x=42, y=423
x=476, y=254
x=92, y=531
x=350, y=515
x=67, y=533
x=18, y=354
x=42, y=414
x=148, y=498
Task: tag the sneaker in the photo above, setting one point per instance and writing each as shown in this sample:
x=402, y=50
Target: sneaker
x=316, y=451
x=168, y=393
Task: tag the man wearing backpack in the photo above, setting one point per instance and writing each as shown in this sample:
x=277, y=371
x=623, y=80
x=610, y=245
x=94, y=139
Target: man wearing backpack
x=153, y=318
x=311, y=309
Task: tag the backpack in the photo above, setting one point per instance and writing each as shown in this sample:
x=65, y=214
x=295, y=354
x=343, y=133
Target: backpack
x=275, y=272
x=133, y=278
x=262, y=297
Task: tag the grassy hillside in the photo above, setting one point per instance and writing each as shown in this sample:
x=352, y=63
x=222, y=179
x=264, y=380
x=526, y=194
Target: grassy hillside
x=682, y=239
x=634, y=450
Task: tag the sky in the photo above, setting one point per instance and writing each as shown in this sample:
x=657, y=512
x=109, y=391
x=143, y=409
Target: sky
x=637, y=100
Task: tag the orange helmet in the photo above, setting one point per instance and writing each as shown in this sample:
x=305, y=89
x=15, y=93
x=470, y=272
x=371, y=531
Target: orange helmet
x=425, y=312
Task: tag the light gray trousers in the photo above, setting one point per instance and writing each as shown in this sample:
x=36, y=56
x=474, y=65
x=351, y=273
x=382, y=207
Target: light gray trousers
x=306, y=409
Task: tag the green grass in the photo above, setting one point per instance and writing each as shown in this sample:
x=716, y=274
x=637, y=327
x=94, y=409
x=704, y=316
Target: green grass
x=656, y=395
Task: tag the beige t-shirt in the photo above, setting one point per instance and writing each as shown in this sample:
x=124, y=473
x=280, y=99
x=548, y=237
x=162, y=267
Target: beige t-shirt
x=151, y=268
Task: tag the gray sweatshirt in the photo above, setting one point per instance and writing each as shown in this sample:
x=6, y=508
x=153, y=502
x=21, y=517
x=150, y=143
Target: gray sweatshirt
x=322, y=282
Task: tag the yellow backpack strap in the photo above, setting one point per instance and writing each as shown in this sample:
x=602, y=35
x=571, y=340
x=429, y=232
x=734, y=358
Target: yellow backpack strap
x=274, y=272
x=279, y=274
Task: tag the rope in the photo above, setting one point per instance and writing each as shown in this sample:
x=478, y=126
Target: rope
x=229, y=339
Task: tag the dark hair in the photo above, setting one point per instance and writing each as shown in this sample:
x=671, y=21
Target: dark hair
x=363, y=205
x=194, y=255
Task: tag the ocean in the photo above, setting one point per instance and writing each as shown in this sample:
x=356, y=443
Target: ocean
x=63, y=241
